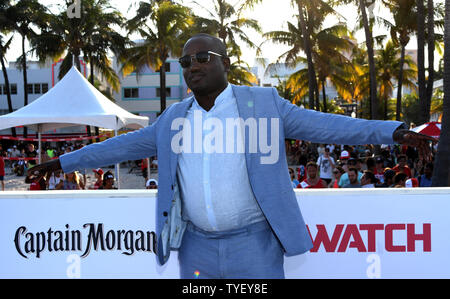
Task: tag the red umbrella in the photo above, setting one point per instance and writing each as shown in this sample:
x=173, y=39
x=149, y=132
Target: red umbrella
x=432, y=129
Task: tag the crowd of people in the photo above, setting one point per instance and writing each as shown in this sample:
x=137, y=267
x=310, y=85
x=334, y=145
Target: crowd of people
x=21, y=156
x=343, y=166
x=310, y=166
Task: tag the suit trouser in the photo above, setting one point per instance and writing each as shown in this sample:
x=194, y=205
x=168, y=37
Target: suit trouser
x=249, y=252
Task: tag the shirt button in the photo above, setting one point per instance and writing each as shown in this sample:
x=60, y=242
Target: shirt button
x=165, y=214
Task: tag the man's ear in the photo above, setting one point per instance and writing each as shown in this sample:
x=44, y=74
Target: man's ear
x=226, y=63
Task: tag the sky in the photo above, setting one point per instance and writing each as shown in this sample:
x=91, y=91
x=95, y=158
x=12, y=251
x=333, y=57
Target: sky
x=271, y=14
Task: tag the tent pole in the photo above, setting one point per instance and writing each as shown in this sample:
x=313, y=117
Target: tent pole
x=40, y=143
x=117, y=167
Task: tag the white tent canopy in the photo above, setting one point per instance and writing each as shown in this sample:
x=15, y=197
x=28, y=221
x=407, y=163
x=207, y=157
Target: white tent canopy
x=72, y=101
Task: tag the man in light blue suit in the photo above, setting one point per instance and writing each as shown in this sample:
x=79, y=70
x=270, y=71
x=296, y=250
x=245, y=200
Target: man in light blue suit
x=225, y=200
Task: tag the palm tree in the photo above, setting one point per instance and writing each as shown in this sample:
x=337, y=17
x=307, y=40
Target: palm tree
x=327, y=46
x=164, y=27
x=441, y=173
x=312, y=83
x=405, y=24
x=370, y=52
x=24, y=15
x=92, y=35
x=7, y=27
x=299, y=37
x=421, y=59
x=3, y=49
x=431, y=48
x=389, y=64
x=227, y=23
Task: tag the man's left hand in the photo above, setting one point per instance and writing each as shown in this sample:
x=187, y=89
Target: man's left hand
x=417, y=140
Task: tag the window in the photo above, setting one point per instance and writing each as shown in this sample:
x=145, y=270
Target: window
x=30, y=88
x=37, y=88
x=131, y=93
x=13, y=89
x=167, y=64
x=158, y=92
x=44, y=87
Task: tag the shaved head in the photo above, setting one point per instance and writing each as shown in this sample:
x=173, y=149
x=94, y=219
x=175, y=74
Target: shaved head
x=216, y=44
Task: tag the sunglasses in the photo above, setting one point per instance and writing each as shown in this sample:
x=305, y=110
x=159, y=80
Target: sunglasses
x=200, y=57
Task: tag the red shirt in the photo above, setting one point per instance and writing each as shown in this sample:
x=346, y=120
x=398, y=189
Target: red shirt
x=2, y=166
x=406, y=170
x=35, y=186
x=304, y=184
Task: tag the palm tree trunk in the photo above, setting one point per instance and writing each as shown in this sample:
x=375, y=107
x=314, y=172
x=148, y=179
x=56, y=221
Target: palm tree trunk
x=430, y=42
x=441, y=173
x=25, y=82
x=162, y=85
x=8, y=91
x=324, y=97
x=399, y=85
x=370, y=53
x=424, y=117
x=307, y=46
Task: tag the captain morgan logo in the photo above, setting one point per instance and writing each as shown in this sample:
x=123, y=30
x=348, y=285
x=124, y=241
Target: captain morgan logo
x=69, y=240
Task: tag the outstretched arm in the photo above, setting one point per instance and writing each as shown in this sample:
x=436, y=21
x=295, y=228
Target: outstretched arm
x=132, y=146
x=332, y=128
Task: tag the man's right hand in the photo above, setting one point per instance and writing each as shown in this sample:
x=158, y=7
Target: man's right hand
x=43, y=168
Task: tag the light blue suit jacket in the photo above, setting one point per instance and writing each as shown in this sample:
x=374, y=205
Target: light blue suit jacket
x=270, y=183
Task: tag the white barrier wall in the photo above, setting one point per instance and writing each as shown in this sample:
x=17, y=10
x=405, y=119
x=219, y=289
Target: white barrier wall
x=357, y=233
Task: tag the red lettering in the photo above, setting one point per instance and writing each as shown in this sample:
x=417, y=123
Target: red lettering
x=322, y=238
x=371, y=232
x=412, y=237
x=351, y=238
x=352, y=231
x=389, y=242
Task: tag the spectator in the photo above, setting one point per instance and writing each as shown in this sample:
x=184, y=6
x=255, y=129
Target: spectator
x=379, y=169
x=36, y=181
x=301, y=173
x=368, y=180
x=108, y=181
x=71, y=182
x=154, y=162
x=151, y=184
x=337, y=172
x=292, y=175
x=425, y=178
x=412, y=183
x=53, y=179
x=313, y=180
x=2, y=172
x=388, y=178
x=401, y=166
x=352, y=174
x=326, y=164
x=99, y=179
x=345, y=180
x=31, y=153
x=144, y=166
x=400, y=180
